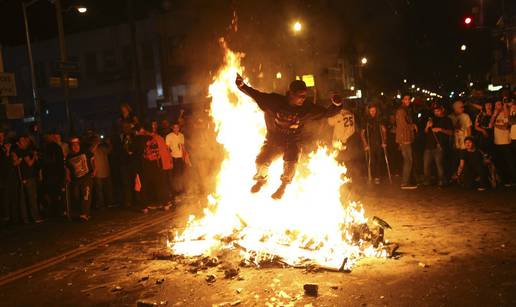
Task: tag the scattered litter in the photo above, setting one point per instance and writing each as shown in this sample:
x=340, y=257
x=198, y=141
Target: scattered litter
x=423, y=265
x=311, y=289
x=239, y=290
x=211, y=278
x=159, y=281
x=116, y=289
x=144, y=278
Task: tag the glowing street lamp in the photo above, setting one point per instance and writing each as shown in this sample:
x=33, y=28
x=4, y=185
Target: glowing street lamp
x=404, y=80
x=297, y=26
x=352, y=88
x=463, y=47
x=82, y=9
x=278, y=75
x=413, y=86
x=363, y=61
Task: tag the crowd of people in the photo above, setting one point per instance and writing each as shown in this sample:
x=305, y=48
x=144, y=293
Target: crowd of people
x=470, y=144
x=142, y=166
x=153, y=164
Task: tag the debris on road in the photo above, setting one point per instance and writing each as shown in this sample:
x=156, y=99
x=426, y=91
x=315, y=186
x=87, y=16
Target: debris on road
x=230, y=271
x=116, y=289
x=311, y=289
x=211, y=278
x=423, y=265
x=159, y=281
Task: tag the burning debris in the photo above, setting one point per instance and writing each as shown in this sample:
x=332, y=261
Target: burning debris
x=310, y=227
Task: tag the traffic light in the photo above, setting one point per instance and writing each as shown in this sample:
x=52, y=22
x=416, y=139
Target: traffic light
x=468, y=20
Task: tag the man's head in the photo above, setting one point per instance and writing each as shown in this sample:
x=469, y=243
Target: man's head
x=23, y=141
x=176, y=128
x=458, y=107
x=372, y=110
x=297, y=93
x=75, y=144
x=438, y=110
x=125, y=110
x=405, y=100
x=469, y=143
x=488, y=106
x=498, y=106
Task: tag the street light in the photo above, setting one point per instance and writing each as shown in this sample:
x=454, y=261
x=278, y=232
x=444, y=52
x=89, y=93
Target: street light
x=471, y=84
x=278, y=75
x=82, y=9
x=363, y=61
x=297, y=26
x=404, y=80
x=463, y=47
x=352, y=88
x=413, y=86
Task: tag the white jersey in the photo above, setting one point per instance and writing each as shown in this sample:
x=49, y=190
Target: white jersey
x=343, y=125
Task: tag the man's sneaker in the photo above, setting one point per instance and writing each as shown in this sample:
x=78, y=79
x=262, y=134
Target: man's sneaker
x=481, y=189
x=280, y=191
x=258, y=186
x=408, y=186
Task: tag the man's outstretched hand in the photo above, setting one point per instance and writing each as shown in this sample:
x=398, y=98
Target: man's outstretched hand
x=239, y=81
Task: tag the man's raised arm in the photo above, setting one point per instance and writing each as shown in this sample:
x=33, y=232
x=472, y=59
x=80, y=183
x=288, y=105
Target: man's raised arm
x=264, y=100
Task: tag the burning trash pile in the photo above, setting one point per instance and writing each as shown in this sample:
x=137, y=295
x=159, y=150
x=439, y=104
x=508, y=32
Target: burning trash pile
x=309, y=227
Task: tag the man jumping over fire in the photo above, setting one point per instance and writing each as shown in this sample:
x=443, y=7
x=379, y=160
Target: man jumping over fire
x=285, y=118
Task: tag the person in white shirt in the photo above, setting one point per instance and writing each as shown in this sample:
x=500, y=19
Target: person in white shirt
x=504, y=159
x=176, y=143
x=461, y=125
x=344, y=139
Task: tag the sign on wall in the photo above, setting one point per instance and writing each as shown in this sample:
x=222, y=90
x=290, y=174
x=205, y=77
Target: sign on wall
x=7, y=84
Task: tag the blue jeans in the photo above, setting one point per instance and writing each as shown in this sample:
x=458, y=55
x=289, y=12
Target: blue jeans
x=434, y=155
x=406, y=153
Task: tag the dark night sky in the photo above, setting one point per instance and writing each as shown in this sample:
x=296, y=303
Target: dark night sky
x=413, y=39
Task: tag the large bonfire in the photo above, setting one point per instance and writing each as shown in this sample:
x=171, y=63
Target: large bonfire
x=310, y=226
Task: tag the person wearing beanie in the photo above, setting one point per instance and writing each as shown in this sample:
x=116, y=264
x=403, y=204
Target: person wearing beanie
x=285, y=119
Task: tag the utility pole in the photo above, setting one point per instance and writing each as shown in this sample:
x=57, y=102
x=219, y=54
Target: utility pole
x=137, y=82
x=35, y=96
x=64, y=72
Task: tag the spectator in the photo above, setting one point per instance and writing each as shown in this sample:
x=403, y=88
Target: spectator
x=512, y=121
x=473, y=166
x=405, y=130
x=54, y=175
x=344, y=138
x=103, y=185
x=24, y=159
x=4, y=170
x=461, y=125
x=437, y=132
x=164, y=128
x=504, y=160
x=374, y=140
x=128, y=164
x=127, y=116
x=484, y=128
x=153, y=175
x=80, y=171
x=176, y=144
